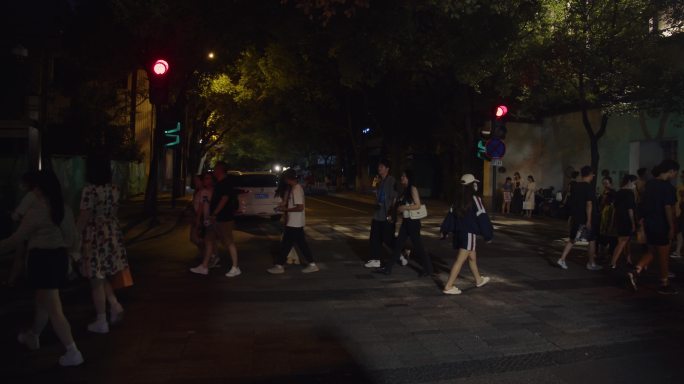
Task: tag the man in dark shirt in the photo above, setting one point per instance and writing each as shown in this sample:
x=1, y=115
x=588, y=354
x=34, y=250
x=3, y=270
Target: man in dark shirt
x=382, y=225
x=221, y=216
x=583, y=215
x=657, y=205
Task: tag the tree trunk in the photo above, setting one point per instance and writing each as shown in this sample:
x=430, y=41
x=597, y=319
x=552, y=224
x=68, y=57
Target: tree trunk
x=134, y=103
x=594, y=138
x=150, y=205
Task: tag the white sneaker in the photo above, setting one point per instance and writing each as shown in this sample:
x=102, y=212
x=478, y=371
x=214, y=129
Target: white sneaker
x=453, y=291
x=276, y=270
x=372, y=264
x=234, y=271
x=99, y=327
x=594, y=267
x=200, y=270
x=29, y=339
x=312, y=267
x=485, y=280
x=71, y=359
x=675, y=255
x=561, y=263
x=403, y=258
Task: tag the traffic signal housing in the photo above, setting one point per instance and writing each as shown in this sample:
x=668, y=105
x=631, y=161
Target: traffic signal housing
x=499, y=122
x=159, y=82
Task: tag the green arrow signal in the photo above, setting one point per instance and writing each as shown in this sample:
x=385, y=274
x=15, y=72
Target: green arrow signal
x=172, y=133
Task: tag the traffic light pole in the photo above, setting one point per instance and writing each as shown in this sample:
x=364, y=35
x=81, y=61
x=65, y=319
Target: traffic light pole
x=150, y=206
x=495, y=169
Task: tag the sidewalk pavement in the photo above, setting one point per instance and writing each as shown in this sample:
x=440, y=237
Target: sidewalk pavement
x=138, y=227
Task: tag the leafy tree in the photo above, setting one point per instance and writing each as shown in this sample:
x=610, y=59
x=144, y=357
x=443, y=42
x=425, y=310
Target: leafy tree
x=594, y=55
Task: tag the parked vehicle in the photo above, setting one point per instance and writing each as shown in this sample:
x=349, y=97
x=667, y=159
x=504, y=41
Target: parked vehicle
x=256, y=193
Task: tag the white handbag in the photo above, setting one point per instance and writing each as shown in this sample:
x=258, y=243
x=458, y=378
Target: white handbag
x=419, y=213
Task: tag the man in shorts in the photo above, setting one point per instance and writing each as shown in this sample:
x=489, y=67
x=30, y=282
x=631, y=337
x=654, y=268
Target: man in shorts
x=658, y=203
x=222, y=215
x=584, y=216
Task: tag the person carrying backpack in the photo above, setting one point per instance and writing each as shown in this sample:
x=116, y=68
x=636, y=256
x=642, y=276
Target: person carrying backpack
x=471, y=220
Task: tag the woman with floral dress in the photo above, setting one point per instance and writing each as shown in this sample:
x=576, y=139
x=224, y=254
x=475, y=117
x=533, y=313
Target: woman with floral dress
x=103, y=249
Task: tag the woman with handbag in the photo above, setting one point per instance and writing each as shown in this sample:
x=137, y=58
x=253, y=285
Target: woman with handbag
x=103, y=252
x=411, y=211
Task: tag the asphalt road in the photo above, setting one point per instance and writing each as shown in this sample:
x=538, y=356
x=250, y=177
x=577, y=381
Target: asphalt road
x=534, y=323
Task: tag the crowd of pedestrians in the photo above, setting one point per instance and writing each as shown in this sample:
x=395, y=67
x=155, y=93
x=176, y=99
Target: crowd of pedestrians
x=49, y=241
x=643, y=211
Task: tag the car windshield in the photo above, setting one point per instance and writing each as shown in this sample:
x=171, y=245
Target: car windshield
x=256, y=181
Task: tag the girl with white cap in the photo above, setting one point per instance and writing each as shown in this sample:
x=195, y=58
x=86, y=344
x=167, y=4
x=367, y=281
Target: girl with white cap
x=471, y=220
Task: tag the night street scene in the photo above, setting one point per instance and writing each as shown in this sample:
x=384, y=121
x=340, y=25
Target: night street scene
x=342, y=191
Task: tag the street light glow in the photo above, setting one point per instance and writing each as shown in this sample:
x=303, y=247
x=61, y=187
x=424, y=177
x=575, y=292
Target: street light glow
x=277, y=168
x=210, y=55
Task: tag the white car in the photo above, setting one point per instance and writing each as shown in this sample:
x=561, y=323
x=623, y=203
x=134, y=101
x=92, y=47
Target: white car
x=256, y=193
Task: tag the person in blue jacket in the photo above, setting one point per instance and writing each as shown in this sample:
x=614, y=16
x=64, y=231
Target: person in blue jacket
x=470, y=221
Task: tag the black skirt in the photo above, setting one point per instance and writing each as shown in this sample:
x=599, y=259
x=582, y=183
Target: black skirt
x=47, y=268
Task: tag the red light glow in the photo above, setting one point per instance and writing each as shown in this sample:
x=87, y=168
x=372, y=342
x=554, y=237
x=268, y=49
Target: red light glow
x=160, y=67
x=501, y=111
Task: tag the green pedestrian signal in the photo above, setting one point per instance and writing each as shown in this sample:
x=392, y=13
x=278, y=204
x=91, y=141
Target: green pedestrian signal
x=174, y=135
x=482, y=149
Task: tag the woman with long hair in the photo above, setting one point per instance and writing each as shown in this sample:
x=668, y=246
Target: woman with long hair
x=471, y=220
x=48, y=229
x=409, y=200
x=103, y=251
x=28, y=182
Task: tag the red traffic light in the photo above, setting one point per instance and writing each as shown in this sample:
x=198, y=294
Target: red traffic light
x=501, y=111
x=160, y=67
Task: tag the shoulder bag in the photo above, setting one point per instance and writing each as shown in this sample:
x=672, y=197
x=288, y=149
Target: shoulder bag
x=420, y=213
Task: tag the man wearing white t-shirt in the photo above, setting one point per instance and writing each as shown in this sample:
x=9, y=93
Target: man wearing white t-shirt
x=293, y=209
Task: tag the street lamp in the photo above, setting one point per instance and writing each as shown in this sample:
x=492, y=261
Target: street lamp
x=210, y=56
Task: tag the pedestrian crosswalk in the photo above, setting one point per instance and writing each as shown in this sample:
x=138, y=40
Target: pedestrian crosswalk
x=324, y=231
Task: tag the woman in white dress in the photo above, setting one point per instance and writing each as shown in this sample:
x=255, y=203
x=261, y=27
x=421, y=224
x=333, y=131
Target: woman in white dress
x=530, y=190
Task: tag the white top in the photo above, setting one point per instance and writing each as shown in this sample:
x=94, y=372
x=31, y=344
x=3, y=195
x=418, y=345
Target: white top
x=295, y=197
x=37, y=228
x=24, y=205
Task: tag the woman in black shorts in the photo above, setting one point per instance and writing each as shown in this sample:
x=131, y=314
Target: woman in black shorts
x=625, y=220
x=48, y=228
x=471, y=221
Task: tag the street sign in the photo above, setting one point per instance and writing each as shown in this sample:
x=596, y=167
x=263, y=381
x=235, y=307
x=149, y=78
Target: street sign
x=496, y=148
x=497, y=163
